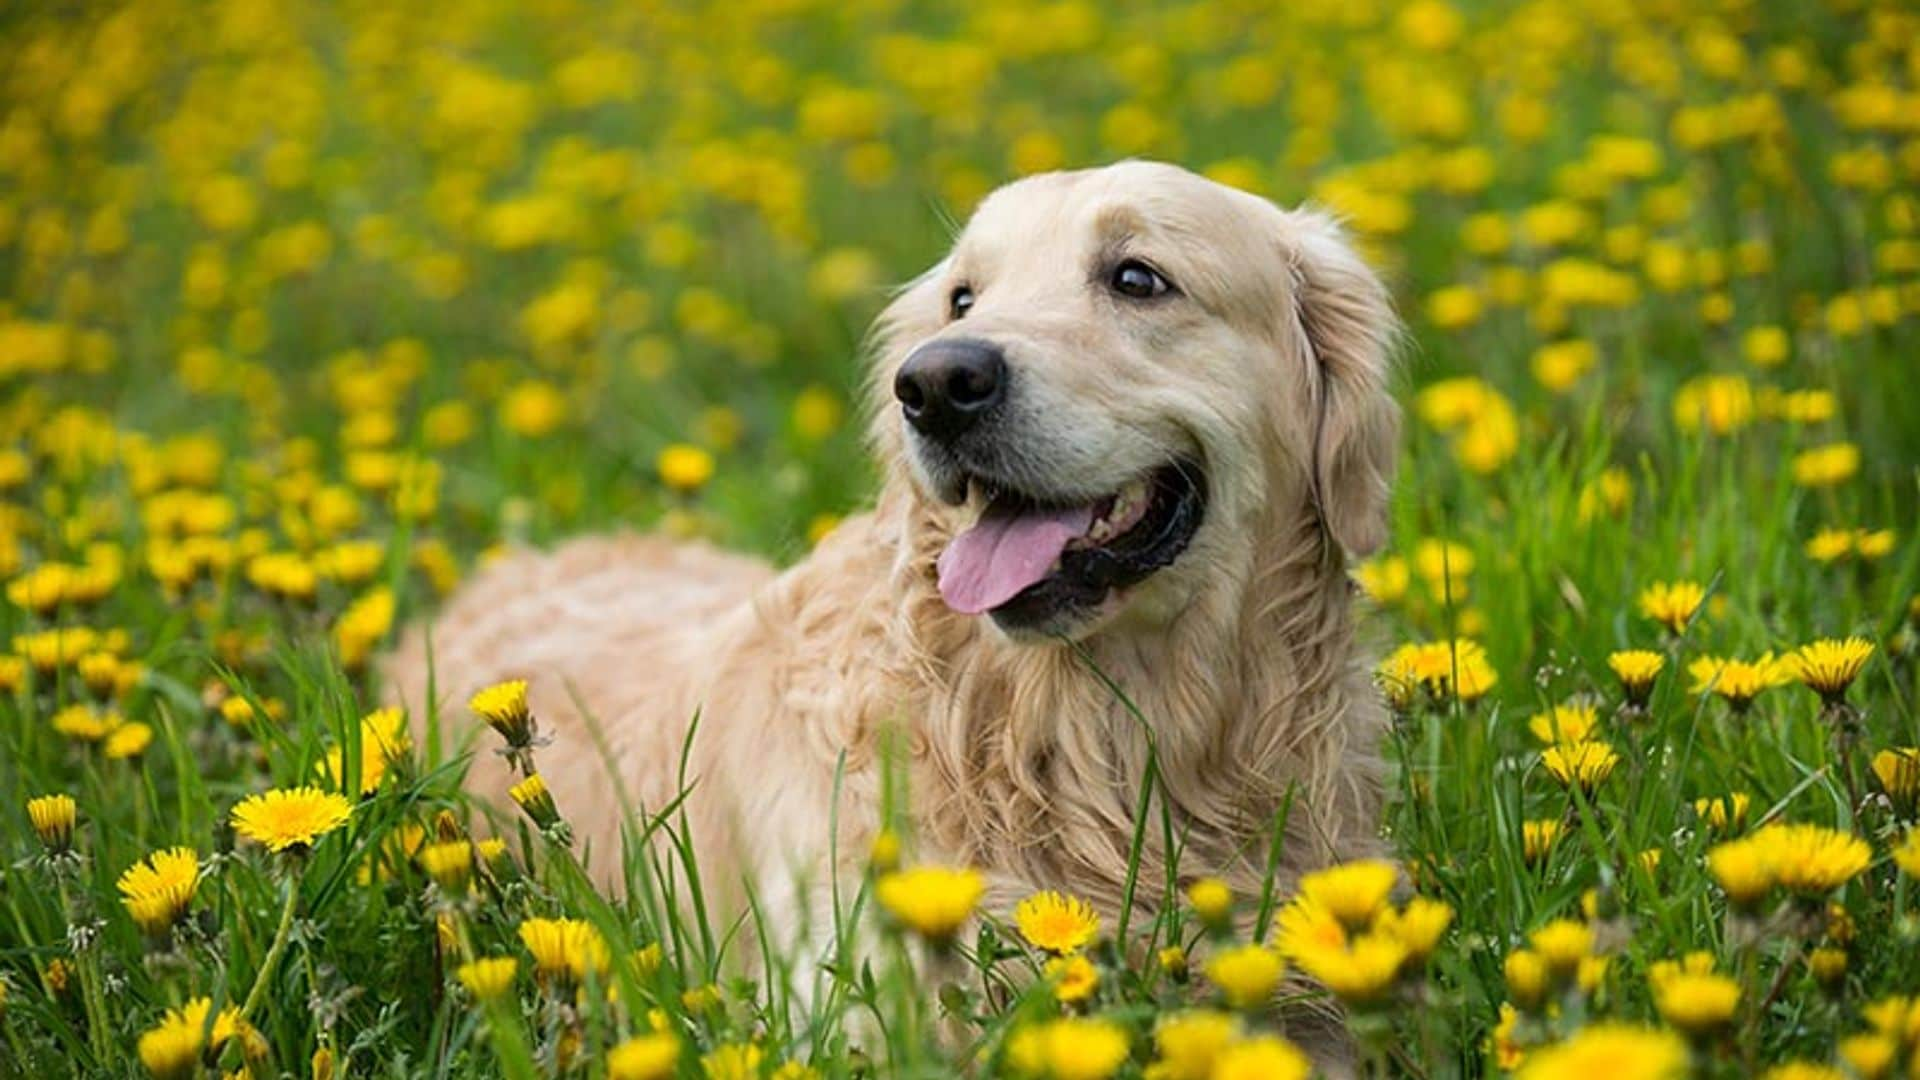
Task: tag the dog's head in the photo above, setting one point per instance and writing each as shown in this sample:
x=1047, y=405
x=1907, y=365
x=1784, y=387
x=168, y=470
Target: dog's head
x=1115, y=380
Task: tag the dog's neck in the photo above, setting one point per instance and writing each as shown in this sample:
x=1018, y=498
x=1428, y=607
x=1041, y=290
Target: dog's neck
x=1028, y=763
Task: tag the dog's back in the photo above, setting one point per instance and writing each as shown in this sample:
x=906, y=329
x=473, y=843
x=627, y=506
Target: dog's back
x=583, y=624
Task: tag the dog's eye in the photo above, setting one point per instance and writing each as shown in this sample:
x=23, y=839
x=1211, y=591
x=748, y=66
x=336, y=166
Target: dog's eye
x=1138, y=280
x=960, y=302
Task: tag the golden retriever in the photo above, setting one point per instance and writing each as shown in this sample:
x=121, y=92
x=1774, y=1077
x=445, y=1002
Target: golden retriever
x=1131, y=429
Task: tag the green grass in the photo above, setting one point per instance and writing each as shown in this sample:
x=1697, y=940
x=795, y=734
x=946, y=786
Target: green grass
x=502, y=257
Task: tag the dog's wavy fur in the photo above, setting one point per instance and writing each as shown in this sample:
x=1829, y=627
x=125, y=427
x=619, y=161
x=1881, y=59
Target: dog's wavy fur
x=1241, y=658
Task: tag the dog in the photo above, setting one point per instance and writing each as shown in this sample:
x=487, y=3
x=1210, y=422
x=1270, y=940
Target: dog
x=1131, y=430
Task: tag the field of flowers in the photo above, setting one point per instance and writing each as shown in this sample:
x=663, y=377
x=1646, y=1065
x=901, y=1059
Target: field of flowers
x=307, y=308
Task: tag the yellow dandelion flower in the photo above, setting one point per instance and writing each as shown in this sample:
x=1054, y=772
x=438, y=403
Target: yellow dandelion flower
x=1418, y=926
x=1870, y=1056
x=1636, y=669
x=504, y=707
x=1443, y=669
x=489, y=977
x=1069, y=1049
x=1672, y=604
x=53, y=817
x=1212, y=901
x=732, y=1061
x=1585, y=765
x=171, y=1050
x=1691, y=996
x=933, y=901
x=176, y=1045
x=1744, y=870
x=1811, y=860
x=644, y=1057
x=1828, y=666
x=87, y=723
x=449, y=864
x=565, y=949
x=1263, y=1057
x=1074, y=977
x=383, y=741
x=1569, y=723
x=1873, y=544
x=1056, y=923
x=1246, y=974
x=1304, y=925
x=126, y=741
x=1614, y=1051
x=532, y=796
x=1738, y=682
x=1190, y=1042
x=363, y=626
x=158, y=889
x=1721, y=404
x=1562, y=944
x=1354, y=893
x=1384, y=579
x=290, y=818
x=1826, y=466
x=1830, y=545
x=1358, y=973
x=1906, y=855
x=684, y=468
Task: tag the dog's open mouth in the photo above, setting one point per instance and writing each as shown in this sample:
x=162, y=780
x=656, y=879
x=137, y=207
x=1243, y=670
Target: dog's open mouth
x=1029, y=559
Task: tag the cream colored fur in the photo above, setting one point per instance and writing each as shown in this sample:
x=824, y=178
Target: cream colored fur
x=1270, y=367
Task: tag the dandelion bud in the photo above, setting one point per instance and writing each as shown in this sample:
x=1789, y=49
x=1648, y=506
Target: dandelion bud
x=53, y=817
x=322, y=1063
x=536, y=800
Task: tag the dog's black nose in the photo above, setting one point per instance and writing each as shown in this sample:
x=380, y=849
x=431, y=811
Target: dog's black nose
x=945, y=387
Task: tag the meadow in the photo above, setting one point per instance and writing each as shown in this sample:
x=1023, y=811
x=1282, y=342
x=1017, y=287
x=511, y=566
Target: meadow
x=308, y=309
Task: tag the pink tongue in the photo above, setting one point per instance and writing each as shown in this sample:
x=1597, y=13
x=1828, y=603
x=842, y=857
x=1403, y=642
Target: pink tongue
x=989, y=564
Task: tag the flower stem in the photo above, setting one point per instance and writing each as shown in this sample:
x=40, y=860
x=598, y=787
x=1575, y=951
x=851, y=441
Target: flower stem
x=280, y=936
x=89, y=971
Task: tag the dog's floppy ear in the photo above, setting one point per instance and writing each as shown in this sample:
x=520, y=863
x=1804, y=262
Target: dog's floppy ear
x=1348, y=329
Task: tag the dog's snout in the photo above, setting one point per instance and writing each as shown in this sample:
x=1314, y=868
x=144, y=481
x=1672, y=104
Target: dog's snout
x=945, y=387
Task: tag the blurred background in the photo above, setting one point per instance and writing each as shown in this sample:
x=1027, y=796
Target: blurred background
x=510, y=253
